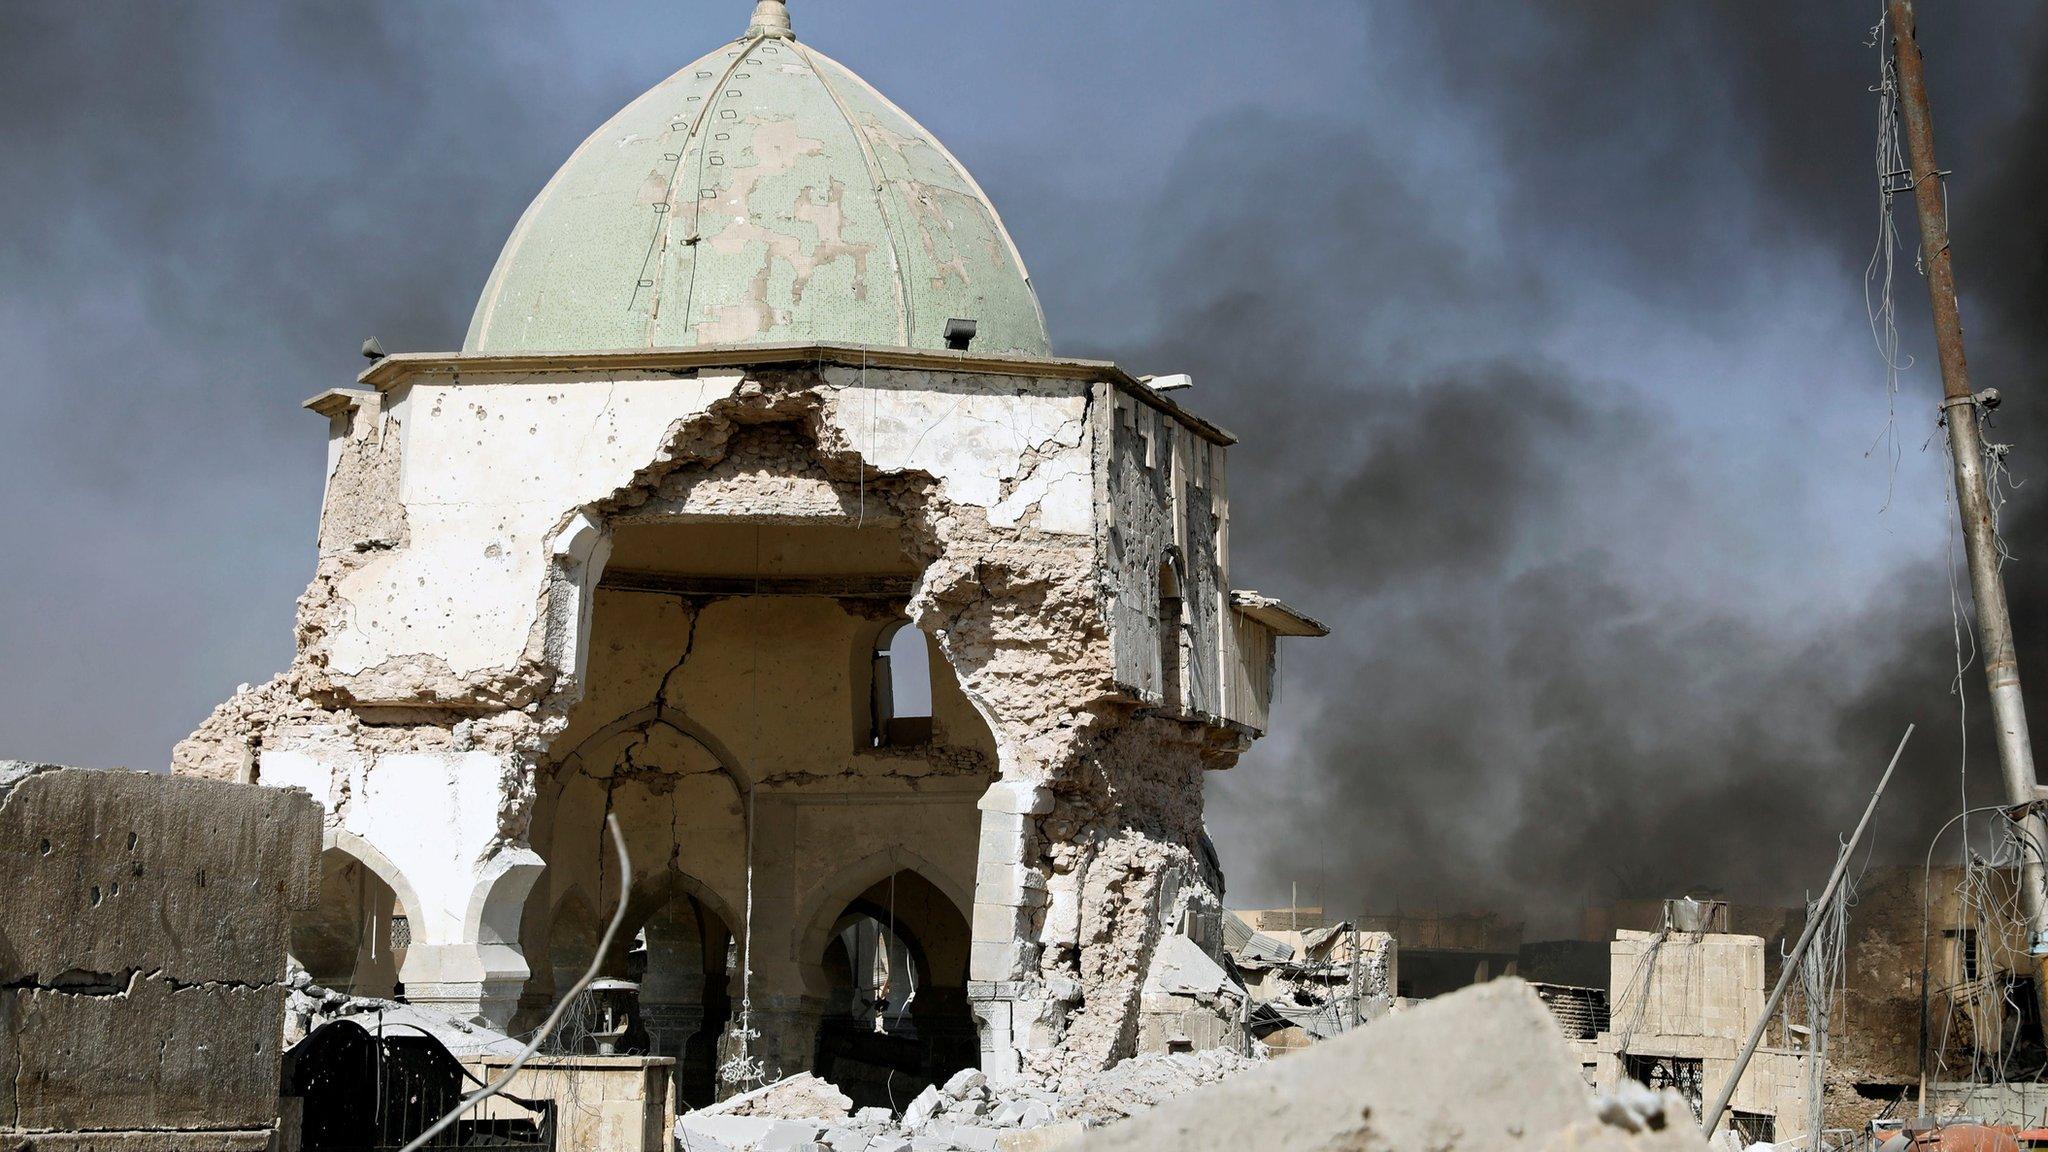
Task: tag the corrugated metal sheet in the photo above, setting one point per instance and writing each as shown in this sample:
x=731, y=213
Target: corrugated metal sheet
x=1261, y=948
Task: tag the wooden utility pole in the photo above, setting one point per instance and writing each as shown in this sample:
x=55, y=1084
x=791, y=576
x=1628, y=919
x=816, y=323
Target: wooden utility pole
x=1959, y=409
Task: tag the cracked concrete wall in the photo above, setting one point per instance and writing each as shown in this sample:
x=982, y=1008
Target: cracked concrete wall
x=142, y=953
x=492, y=466
x=1164, y=505
x=694, y=701
x=439, y=680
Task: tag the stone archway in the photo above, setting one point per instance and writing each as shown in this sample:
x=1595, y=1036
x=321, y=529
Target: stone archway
x=355, y=936
x=685, y=987
x=891, y=962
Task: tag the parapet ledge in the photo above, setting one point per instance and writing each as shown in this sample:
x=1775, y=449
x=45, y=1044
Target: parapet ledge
x=1274, y=614
x=338, y=401
x=398, y=367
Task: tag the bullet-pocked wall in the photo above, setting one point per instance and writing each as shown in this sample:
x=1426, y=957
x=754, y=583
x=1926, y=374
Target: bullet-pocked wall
x=682, y=590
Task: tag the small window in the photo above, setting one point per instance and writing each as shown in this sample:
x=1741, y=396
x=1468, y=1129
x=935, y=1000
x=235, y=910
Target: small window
x=1681, y=1074
x=1171, y=628
x=1753, y=1127
x=903, y=688
x=1966, y=952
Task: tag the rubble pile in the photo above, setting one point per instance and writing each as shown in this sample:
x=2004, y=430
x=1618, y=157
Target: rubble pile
x=968, y=1114
x=1482, y=1069
x=307, y=1006
x=1311, y=985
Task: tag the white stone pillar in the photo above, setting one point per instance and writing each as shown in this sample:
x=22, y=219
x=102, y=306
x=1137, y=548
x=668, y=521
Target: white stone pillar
x=1008, y=890
x=480, y=975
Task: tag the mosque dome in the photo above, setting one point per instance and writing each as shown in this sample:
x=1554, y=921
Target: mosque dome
x=764, y=194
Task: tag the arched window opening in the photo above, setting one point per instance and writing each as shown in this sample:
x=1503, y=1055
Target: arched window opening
x=1172, y=635
x=355, y=939
x=902, y=688
x=881, y=977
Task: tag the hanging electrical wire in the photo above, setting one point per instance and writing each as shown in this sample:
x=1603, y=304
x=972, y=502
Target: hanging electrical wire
x=1879, y=304
x=743, y=1069
x=1823, y=988
x=547, y=1027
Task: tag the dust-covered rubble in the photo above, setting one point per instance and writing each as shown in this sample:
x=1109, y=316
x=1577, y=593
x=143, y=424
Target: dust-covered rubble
x=1482, y=1069
x=968, y=1114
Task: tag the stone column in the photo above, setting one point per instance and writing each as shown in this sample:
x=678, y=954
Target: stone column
x=466, y=980
x=1009, y=890
x=482, y=975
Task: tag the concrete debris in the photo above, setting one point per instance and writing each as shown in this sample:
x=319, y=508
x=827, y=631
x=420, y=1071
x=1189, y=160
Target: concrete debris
x=1312, y=983
x=967, y=1082
x=969, y=1113
x=1047, y=1138
x=1144, y=1082
x=706, y=1132
x=1180, y=967
x=1483, y=1068
x=921, y=1109
x=799, y=1097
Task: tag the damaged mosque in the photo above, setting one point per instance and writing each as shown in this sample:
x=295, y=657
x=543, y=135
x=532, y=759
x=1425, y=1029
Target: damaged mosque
x=757, y=513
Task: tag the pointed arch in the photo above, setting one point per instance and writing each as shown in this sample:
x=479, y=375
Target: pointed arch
x=821, y=907
x=380, y=865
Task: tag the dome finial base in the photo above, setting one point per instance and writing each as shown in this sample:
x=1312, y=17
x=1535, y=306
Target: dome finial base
x=771, y=19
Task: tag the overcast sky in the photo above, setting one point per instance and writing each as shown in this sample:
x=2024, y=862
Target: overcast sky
x=1544, y=325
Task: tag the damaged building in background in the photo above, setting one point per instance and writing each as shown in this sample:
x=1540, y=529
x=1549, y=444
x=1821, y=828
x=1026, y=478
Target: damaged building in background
x=756, y=512
x=1684, y=999
x=1311, y=982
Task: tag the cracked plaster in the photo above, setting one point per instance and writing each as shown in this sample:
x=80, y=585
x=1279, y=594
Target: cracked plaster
x=438, y=675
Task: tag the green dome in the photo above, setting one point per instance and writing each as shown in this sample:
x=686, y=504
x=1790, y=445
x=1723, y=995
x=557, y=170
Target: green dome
x=764, y=194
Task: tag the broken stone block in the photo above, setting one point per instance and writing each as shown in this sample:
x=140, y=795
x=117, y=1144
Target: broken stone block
x=704, y=1131
x=1007, y=1114
x=1020, y=1113
x=889, y=1144
x=142, y=952
x=799, y=1097
x=873, y=1116
x=1483, y=1068
x=971, y=1137
x=1043, y=1139
x=923, y=1108
x=787, y=1136
x=965, y=1081
x=844, y=1139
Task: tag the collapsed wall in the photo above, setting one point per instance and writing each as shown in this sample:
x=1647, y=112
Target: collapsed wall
x=142, y=956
